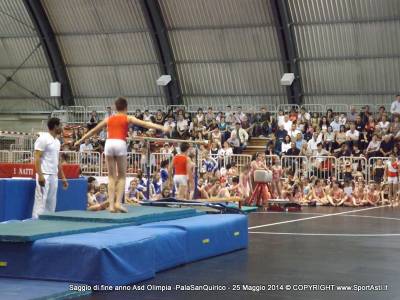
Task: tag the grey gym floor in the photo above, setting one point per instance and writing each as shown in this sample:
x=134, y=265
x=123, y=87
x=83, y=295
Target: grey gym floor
x=323, y=245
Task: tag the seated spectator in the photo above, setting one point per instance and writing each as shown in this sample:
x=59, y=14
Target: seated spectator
x=373, y=147
x=387, y=145
x=209, y=116
x=323, y=124
x=300, y=141
x=303, y=116
x=200, y=115
x=134, y=194
x=147, y=116
x=335, y=124
x=293, y=132
x=286, y=144
x=313, y=143
x=383, y=126
x=292, y=151
x=352, y=135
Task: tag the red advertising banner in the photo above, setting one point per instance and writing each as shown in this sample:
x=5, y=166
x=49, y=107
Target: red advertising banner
x=8, y=170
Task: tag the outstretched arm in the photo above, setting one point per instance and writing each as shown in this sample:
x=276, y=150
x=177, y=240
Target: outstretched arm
x=149, y=125
x=92, y=132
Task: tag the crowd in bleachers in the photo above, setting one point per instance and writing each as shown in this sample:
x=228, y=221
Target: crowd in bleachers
x=357, y=134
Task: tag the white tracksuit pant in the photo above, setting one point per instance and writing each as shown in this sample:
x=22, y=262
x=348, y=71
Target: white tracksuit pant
x=46, y=196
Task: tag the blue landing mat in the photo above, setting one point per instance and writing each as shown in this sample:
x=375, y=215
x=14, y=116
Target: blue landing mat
x=124, y=255
x=136, y=215
x=210, y=235
x=21, y=289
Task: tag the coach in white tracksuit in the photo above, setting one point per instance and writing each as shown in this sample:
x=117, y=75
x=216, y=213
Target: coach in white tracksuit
x=47, y=150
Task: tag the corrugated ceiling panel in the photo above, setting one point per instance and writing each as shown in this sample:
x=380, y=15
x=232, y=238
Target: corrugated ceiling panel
x=205, y=13
x=36, y=80
x=234, y=100
x=14, y=10
x=107, y=49
x=325, y=40
x=225, y=44
x=373, y=100
x=139, y=80
x=13, y=51
x=342, y=10
x=94, y=81
x=332, y=40
x=330, y=76
x=231, y=78
x=379, y=38
x=380, y=75
x=117, y=57
x=133, y=102
x=78, y=16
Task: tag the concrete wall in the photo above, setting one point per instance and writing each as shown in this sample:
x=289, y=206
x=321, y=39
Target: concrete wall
x=22, y=122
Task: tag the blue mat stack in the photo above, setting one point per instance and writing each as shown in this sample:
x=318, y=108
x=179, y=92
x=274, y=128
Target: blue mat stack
x=114, y=249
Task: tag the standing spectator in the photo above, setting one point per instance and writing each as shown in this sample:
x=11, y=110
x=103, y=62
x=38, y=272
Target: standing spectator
x=109, y=112
x=287, y=124
x=351, y=116
x=182, y=127
x=93, y=120
x=170, y=124
x=209, y=116
x=242, y=135
x=395, y=108
x=234, y=142
x=365, y=114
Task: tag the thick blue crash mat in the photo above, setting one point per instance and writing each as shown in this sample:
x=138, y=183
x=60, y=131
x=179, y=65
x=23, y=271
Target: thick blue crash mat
x=31, y=230
x=13, y=289
x=127, y=254
x=210, y=235
x=117, y=256
x=136, y=215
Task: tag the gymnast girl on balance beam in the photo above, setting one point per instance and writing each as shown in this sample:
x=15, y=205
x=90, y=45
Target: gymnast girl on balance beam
x=115, y=149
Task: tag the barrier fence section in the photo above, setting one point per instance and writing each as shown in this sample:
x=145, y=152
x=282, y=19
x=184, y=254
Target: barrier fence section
x=21, y=157
x=373, y=162
x=322, y=167
x=357, y=165
x=294, y=165
x=5, y=156
x=90, y=163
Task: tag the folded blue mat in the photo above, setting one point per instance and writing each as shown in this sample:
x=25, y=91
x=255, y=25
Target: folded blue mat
x=136, y=215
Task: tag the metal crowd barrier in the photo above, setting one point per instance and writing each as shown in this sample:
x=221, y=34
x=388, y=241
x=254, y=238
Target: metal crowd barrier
x=21, y=157
x=322, y=167
x=358, y=166
x=90, y=163
x=296, y=165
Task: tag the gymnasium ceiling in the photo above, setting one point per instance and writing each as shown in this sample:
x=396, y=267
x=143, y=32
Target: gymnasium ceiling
x=219, y=51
